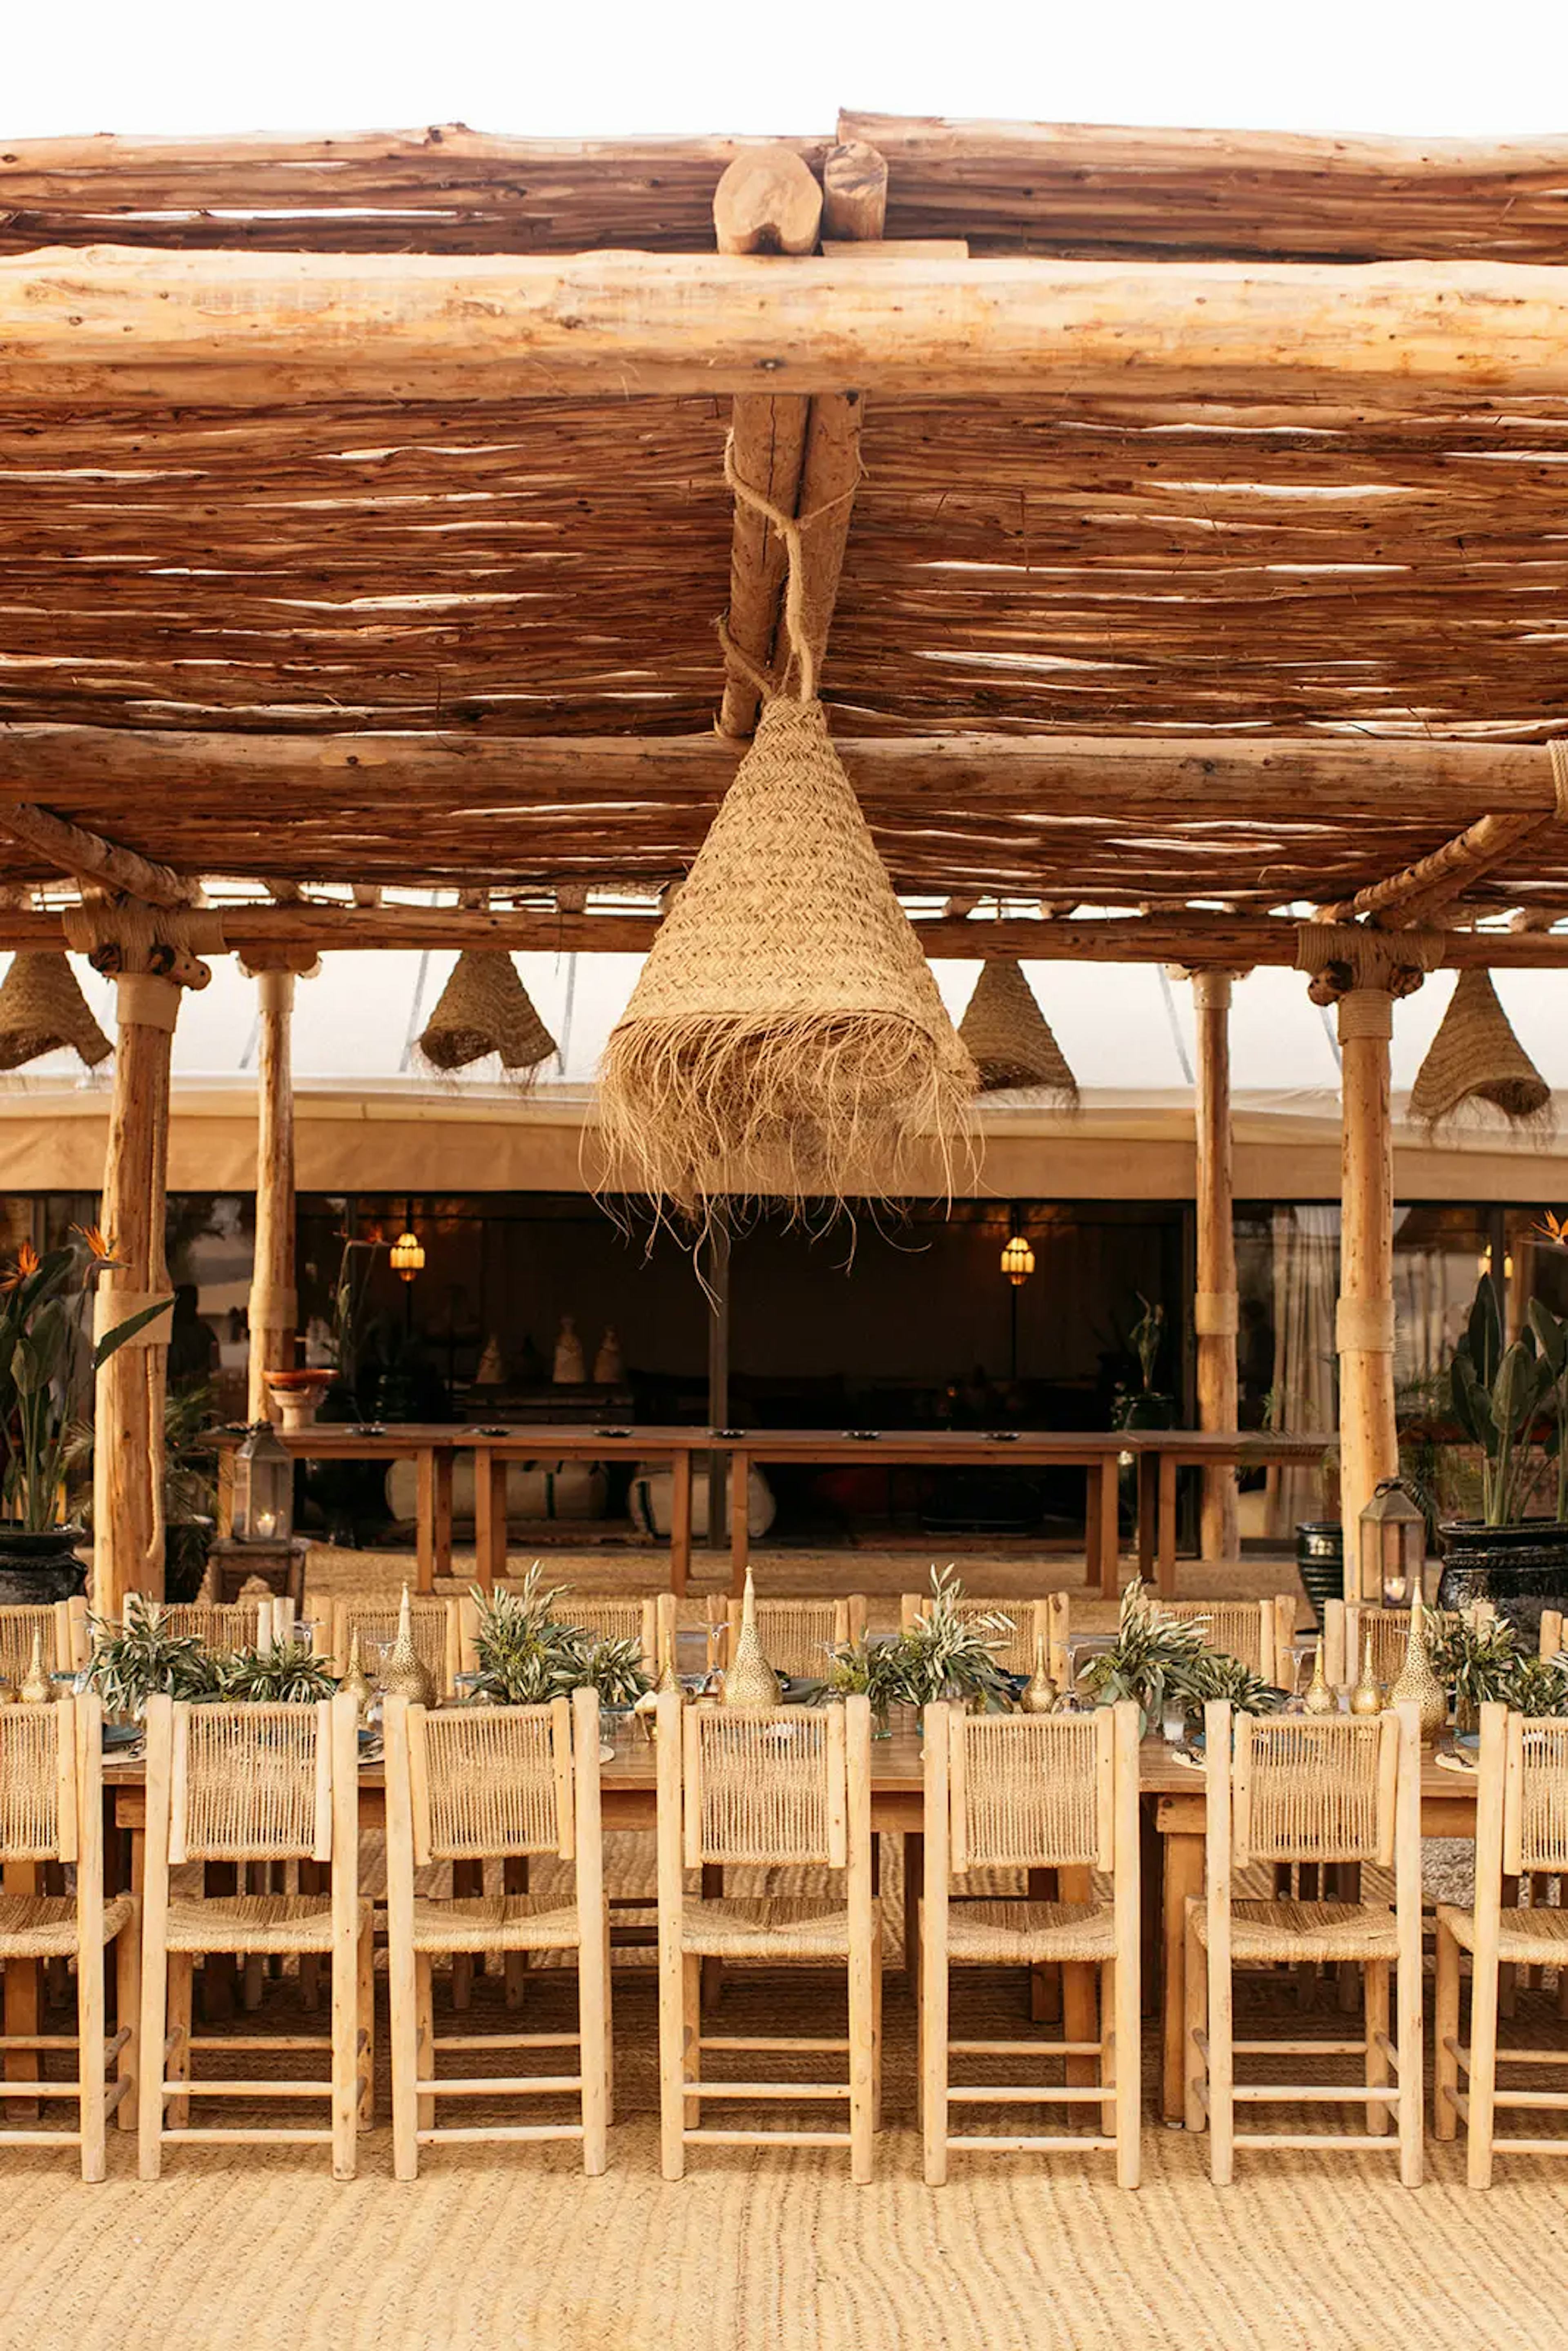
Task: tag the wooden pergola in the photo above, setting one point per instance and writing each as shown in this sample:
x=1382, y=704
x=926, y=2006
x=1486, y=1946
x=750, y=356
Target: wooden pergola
x=1184, y=554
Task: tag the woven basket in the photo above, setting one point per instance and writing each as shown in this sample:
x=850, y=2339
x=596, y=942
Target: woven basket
x=786, y=1035
x=1475, y=1057
x=484, y=1009
x=42, y=1007
x=1008, y=1037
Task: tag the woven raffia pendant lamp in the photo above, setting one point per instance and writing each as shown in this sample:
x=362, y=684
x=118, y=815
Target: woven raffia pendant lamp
x=42, y=1007
x=786, y=1036
x=1008, y=1037
x=1476, y=1057
x=484, y=1009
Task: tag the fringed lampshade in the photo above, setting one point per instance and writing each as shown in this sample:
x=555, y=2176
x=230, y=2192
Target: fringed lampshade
x=42, y=1007
x=786, y=1034
x=1008, y=1037
x=484, y=1009
x=1476, y=1057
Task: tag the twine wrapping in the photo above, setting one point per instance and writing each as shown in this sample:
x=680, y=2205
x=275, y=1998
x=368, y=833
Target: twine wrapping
x=1343, y=956
x=147, y=1001
x=1008, y=1038
x=1216, y=1313
x=1475, y=1057
x=42, y=1008
x=1365, y=1012
x=1364, y=1326
x=484, y=1009
x=112, y=1307
x=1558, y=749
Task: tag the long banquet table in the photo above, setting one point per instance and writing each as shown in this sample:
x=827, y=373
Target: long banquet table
x=1171, y=1793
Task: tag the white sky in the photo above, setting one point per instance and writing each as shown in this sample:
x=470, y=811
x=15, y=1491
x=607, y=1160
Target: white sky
x=562, y=68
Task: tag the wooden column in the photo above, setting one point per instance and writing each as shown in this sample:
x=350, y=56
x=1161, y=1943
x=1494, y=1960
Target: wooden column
x=127, y=1451
x=1369, y=1442
x=273, y=1307
x=718, y=1256
x=1214, y=1306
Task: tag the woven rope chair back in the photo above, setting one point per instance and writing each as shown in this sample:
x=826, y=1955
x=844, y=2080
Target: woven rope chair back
x=38, y=1783
x=19, y=1627
x=765, y=1787
x=1013, y=1645
x=491, y=1782
x=252, y=1783
x=375, y=1619
x=1032, y=1791
x=1535, y=1796
x=1390, y=1631
x=798, y=1634
x=613, y=1620
x=1309, y=1790
x=220, y=1628
x=1233, y=1628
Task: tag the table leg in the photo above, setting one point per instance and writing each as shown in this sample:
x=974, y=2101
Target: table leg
x=740, y=1521
x=1148, y=1509
x=440, y=1512
x=220, y=1970
x=1094, y=1527
x=1165, y=1528
x=425, y=1519
x=1151, y=1889
x=680, y=1521
x=1109, y=1528
x=489, y=1518
x=24, y=1992
x=1045, y=1981
x=1079, y=1991
x=1184, y=1877
x=914, y=1884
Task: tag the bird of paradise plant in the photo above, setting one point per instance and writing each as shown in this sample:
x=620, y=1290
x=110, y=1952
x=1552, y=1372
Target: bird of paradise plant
x=46, y=1366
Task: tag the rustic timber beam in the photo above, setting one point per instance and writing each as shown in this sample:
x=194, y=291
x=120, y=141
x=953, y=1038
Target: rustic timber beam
x=92, y=859
x=119, y=326
x=1435, y=880
x=1448, y=784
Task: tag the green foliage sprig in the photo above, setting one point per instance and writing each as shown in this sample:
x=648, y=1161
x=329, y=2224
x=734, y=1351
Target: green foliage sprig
x=1477, y=1656
x=290, y=1675
x=944, y=1654
x=1160, y=1660
x=141, y=1658
x=531, y=1652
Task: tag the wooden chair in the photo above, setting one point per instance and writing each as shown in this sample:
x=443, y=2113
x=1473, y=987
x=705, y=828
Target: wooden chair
x=1256, y=1632
x=253, y=1783
x=1521, y=1826
x=797, y=1635
x=1341, y=1789
x=506, y=1783
x=1031, y=1620
x=51, y=1811
x=60, y=1627
x=437, y=1627
x=223, y=1628
x=786, y=1787
x=1009, y=1792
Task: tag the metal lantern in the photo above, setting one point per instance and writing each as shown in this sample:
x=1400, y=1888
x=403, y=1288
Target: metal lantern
x=1018, y=1261
x=1393, y=1554
x=264, y=1488
x=407, y=1255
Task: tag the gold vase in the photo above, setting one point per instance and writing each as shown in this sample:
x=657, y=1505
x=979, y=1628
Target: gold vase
x=354, y=1683
x=750, y=1680
x=36, y=1689
x=1366, y=1697
x=402, y=1674
x=1417, y=1684
x=1041, y=1695
x=1319, y=1698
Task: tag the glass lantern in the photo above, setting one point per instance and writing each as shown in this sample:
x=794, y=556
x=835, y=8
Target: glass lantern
x=1393, y=1553
x=407, y=1255
x=264, y=1488
x=1018, y=1261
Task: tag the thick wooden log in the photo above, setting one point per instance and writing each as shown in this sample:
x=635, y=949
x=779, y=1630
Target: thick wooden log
x=120, y=327
x=91, y=858
x=1369, y=1438
x=769, y=450
x=1451, y=784
x=854, y=192
x=1417, y=895
x=1214, y=1305
x=767, y=201
x=273, y=1306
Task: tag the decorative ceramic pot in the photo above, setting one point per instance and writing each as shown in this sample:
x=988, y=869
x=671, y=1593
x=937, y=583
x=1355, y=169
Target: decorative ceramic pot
x=299, y=1394
x=37, y=1570
x=1521, y=1569
x=1320, y=1563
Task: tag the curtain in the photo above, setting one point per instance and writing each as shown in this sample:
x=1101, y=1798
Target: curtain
x=1306, y=1285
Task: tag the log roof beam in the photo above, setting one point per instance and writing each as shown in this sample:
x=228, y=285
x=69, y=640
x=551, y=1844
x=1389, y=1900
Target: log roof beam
x=1433, y=883
x=90, y=858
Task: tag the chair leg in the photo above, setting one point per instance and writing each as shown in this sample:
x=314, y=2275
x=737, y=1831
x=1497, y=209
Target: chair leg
x=1195, y=2065
x=1508, y=1974
x=1446, y=2035
x=1483, y=2071
x=672, y=2063
x=515, y=1964
x=311, y=1878
x=593, y=2050
x=1412, y=2072
x=128, y=2012
x=876, y=2028
x=365, y=2036
x=345, y=2059
x=1127, y=1996
x=863, y=2072
x=425, y=2037
x=181, y=1974
x=1221, y=2075
x=154, y=2033
x=1108, y=2052
x=402, y=2037
x=1375, y=2020
x=467, y=1878
x=91, y=2027
x=934, y=2010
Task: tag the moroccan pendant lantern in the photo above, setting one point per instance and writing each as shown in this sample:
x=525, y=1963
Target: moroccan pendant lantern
x=42, y=1007
x=1008, y=1037
x=484, y=1009
x=1475, y=1057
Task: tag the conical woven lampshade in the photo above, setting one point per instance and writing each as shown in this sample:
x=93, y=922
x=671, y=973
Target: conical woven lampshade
x=786, y=1034
x=42, y=1007
x=1008, y=1037
x=484, y=1009
x=1476, y=1057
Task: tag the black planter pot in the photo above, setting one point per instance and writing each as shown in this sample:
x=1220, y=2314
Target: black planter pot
x=1521, y=1569
x=1320, y=1563
x=186, y=1542
x=38, y=1569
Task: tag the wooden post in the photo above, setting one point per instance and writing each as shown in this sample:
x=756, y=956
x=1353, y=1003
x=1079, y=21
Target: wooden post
x=128, y=1449
x=273, y=1307
x=1369, y=1442
x=1214, y=1306
x=717, y=1365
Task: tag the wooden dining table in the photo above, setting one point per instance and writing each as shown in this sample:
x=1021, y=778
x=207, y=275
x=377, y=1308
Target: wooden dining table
x=1172, y=1800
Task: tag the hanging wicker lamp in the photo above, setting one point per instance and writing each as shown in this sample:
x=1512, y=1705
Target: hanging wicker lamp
x=42, y=1007
x=1009, y=1037
x=1476, y=1057
x=484, y=1009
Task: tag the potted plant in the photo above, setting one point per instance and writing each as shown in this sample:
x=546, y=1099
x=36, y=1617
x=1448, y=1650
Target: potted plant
x=48, y=1364
x=1500, y=1391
